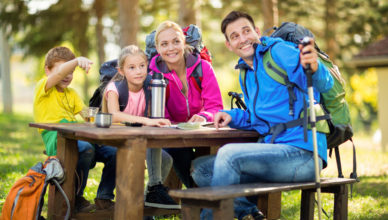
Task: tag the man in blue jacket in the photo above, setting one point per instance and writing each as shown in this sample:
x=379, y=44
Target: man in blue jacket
x=288, y=157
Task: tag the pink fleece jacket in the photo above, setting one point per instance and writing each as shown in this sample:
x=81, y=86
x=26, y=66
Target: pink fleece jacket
x=180, y=108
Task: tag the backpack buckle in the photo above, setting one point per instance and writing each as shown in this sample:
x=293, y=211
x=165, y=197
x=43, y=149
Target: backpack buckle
x=276, y=130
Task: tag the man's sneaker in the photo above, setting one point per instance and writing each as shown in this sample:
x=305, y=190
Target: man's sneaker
x=83, y=205
x=157, y=197
x=104, y=204
x=254, y=216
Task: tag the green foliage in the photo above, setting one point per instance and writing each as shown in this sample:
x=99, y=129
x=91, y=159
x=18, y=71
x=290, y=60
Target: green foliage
x=363, y=22
x=64, y=20
x=363, y=97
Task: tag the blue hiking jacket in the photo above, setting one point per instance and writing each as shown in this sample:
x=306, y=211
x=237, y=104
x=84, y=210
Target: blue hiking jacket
x=267, y=100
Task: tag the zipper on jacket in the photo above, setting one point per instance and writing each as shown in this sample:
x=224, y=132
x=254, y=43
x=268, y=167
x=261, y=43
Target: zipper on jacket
x=255, y=101
x=186, y=98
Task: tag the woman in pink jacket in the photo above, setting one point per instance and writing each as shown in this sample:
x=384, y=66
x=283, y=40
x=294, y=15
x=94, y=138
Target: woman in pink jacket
x=186, y=100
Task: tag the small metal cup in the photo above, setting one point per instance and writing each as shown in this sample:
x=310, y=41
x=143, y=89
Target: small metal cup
x=103, y=120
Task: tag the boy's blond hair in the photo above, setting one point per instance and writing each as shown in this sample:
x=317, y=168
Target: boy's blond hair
x=169, y=24
x=57, y=54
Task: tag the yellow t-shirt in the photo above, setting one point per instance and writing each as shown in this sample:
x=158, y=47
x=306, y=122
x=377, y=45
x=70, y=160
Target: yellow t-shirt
x=54, y=106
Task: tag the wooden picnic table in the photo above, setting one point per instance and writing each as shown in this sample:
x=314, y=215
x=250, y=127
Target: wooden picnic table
x=131, y=143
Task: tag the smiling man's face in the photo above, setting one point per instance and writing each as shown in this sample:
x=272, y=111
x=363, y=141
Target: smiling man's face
x=241, y=36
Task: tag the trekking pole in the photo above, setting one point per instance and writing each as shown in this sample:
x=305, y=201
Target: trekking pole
x=306, y=41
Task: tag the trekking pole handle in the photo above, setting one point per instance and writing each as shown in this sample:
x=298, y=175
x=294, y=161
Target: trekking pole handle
x=239, y=101
x=306, y=41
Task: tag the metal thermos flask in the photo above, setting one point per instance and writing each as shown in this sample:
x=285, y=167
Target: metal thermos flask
x=158, y=95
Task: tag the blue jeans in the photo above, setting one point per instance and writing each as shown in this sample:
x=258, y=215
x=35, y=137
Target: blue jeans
x=106, y=155
x=253, y=162
x=86, y=154
x=89, y=154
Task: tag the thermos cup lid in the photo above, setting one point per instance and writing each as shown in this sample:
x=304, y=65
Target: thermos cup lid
x=157, y=76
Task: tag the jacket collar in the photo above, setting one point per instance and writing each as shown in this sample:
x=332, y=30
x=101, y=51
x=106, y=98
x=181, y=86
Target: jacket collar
x=158, y=65
x=260, y=48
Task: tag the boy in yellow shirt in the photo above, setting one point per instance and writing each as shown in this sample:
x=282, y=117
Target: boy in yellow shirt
x=54, y=102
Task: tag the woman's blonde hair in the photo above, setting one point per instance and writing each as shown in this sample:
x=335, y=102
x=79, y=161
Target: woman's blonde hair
x=130, y=50
x=170, y=24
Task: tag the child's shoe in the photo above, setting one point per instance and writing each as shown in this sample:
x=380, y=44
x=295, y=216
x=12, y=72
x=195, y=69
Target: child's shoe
x=157, y=197
x=104, y=204
x=83, y=205
x=255, y=216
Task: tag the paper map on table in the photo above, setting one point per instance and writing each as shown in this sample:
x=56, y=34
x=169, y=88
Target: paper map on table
x=191, y=125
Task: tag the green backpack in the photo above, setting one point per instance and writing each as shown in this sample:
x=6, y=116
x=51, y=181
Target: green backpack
x=338, y=127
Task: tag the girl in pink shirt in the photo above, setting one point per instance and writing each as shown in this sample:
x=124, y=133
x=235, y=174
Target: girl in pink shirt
x=132, y=77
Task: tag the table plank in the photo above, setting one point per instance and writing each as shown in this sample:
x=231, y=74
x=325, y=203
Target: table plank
x=116, y=132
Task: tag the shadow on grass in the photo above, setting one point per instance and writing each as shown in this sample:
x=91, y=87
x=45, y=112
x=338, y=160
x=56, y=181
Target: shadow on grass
x=369, y=201
x=375, y=186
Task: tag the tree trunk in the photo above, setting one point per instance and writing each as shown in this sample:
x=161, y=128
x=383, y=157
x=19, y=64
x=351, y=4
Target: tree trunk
x=189, y=12
x=84, y=49
x=330, y=32
x=99, y=10
x=129, y=21
x=5, y=73
x=270, y=14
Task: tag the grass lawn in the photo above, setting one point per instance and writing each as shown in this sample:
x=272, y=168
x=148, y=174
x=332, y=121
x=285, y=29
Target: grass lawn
x=21, y=147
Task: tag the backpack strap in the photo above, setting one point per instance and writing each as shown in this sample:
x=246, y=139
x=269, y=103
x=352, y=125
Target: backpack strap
x=243, y=78
x=147, y=93
x=59, y=188
x=353, y=174
x=279, y=75
x=197, y=76
x=122, y=88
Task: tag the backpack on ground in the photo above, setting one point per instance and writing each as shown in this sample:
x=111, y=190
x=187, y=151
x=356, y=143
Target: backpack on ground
x=335, y=108
x=26, y=197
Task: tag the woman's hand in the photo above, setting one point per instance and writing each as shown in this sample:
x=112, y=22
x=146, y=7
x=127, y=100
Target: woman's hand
x=157, y=122
x=197, y=118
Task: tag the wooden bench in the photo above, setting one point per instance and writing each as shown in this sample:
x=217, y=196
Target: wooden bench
x=108, y=214
x=220, y=199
